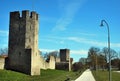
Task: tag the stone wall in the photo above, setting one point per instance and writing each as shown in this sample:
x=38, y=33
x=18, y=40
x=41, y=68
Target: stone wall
x=65, y=62
x=2, y=63
x=41, y=62
x=57, y=59
x=47, y=65
x=64, y=55
x=23, y=53
x=62, y=65
x=52, y=62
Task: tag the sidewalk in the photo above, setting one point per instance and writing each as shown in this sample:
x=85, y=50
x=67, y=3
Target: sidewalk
x=86, y=76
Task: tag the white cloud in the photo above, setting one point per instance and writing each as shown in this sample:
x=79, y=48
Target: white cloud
x=76, y=39
x=62, y=42
x=3, y=33
x=87, y=41
x=69, y=10
x=3, y=38
x=78, y=52
x=115, y=45
x=47, y=50
x=51, y=39
x=86, y=34
x=48, y=19
x=92, y=42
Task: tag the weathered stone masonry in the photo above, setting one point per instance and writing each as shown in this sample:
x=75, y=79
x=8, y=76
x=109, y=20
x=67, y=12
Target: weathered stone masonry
x=23, y=53
x=65, y=62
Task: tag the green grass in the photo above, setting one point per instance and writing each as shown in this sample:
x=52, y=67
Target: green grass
x=46, y=75
x=104, y=76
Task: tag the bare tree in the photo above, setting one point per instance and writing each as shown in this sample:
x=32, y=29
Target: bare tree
x=101, y=61
x=3, y=51
x=113, y=54
x=54, y=53
x=119, y=54
x=105, y=53
x=77, y=66
x=92, y=56
x=47, y=55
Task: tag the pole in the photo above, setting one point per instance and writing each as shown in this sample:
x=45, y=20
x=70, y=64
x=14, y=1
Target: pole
x=110, y=79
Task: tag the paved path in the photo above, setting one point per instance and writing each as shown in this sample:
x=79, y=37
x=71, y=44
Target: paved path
x=117, y=71
x=86, y=76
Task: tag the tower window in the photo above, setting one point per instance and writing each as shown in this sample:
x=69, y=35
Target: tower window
x=19, y=28
x=19, y=53
x=30, y=27
x=29, y=40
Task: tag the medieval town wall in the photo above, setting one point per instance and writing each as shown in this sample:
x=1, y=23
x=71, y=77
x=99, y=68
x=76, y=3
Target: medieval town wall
x=23, y=54
x=65, y=62
x=47, y=65
x=23, y=42
x=41, y=62
x=2, y=63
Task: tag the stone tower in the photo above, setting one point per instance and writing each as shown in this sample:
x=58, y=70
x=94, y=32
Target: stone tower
x=65, y=63
x=23, y=55
x=64, y=55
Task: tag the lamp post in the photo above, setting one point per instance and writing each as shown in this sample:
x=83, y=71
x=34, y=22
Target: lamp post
x=102, y=22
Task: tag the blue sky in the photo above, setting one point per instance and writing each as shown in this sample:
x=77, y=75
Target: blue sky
x=72, y=24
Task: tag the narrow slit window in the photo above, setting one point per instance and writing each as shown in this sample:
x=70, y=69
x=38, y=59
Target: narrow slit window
x=30, y=27
x=19, y=27
x=29, y=40
x=19, y=53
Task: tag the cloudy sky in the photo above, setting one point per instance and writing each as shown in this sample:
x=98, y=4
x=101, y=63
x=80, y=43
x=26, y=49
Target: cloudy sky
x=72, y=24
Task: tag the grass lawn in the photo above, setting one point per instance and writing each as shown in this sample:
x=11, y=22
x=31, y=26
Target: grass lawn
x=104, y=76
x=46, y=75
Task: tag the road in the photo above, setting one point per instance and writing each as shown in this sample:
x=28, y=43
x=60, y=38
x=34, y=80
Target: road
x=86, y=76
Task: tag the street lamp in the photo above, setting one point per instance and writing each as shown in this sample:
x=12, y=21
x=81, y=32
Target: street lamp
x=102, y=22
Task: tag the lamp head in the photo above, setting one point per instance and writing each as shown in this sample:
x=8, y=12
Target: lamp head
x=101, y=23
